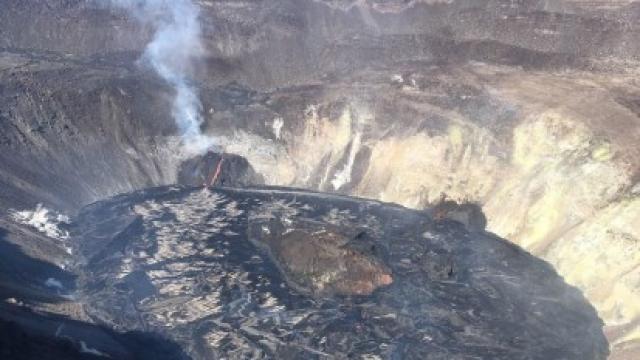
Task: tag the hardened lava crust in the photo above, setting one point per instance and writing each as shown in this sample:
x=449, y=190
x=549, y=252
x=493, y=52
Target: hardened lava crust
x=288, y=274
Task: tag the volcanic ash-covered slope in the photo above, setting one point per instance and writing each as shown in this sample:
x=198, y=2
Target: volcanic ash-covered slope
x=290, y=274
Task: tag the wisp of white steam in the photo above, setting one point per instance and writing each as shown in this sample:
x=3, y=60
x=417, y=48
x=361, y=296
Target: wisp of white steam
x=175, y=47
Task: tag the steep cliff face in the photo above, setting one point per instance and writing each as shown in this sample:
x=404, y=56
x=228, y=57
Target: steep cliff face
x=529, y=108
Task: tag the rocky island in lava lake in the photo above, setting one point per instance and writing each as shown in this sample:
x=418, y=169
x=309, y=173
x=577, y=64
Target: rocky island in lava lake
x=320, y=179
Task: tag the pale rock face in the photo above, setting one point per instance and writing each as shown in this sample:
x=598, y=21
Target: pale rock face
x=430, y=166
x=559, y=177
x=277, y=127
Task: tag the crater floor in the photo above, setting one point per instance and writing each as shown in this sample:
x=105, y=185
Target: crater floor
x=238, y=274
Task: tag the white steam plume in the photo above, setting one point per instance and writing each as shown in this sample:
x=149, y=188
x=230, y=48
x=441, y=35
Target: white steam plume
x=175, y=46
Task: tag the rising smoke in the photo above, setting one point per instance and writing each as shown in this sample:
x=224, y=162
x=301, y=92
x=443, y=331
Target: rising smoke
x=176, y=45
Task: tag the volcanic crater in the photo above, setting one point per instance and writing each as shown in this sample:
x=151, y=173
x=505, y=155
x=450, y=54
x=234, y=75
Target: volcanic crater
x=387, y=180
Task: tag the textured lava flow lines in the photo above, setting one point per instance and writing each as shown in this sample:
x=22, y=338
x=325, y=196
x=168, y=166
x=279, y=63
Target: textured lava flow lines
x=186, y=269
x=180, y=267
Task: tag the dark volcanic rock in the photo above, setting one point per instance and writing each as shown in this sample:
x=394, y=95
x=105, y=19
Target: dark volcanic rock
x=468, y=214
x=275, y=273
x=218, y=169
x=317, y=259
x=31, y=336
